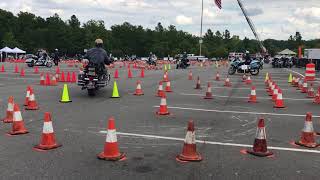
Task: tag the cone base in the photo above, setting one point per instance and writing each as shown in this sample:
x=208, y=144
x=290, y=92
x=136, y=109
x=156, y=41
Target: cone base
x=207, y=97
x=32, y=108
x=18, y=132
x=251, y=101
x=138, y=94
x=183, y=158
x=169, y=91
x=7, y=120
x=65, y=101
x=47, y=147
x=163, y=113
x=197, y=88
x=311, y=145
x=280, y=107
x=115, y=97
x=260, y=154
x=121, y=157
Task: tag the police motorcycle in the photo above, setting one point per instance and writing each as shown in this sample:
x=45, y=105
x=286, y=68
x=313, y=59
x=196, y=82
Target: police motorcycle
x=237, y=66
x=43, y=59
x=92, y=78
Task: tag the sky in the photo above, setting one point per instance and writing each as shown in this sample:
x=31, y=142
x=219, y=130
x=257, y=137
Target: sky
x=276, y=19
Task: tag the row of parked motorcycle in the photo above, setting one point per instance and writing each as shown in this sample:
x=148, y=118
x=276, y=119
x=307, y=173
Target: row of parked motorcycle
x=282, y=62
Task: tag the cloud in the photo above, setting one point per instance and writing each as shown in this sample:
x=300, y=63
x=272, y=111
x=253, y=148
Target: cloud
x=183, y=20
x=254, y=11
x=272, y=18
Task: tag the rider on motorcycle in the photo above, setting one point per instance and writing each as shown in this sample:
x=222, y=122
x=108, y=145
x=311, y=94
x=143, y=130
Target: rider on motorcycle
x=184, y=59
x=99, y=57
x=247, y=59
x=151, y=58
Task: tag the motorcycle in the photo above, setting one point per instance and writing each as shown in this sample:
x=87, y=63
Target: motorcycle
x=182, y=65
x=91, y=80
x=42, y=61
x=237, y=66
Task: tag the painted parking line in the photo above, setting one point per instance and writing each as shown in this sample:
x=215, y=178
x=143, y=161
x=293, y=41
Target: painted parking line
x=239, y=97
x=231, y=88
x=213, y=142
x=238, y=112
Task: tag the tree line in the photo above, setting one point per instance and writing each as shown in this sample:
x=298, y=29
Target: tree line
x=31, y=32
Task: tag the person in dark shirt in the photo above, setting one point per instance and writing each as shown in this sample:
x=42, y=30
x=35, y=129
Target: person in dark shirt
x=98, y=56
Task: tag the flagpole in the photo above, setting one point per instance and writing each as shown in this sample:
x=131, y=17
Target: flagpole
x=200, y=41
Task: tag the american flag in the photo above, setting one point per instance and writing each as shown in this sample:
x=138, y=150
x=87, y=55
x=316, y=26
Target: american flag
x=218, y=3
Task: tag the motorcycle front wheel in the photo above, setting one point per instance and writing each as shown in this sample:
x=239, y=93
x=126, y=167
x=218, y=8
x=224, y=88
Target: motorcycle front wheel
x=254, y=72
x=232, y=70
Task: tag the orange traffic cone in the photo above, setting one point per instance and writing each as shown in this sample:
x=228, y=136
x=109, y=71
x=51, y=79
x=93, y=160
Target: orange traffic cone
x=22, y=73
x=304, y=88
x=111, y=150
x=142, y=73
x=198, y=85
x=139, y=91
x=26, y=102
x=310, y=92
x=227, y=82
x=17, y=124
x=273, y=86
x=48, y=139
x=209, y=92
x=9, y=113
x=62, y=78
x=42, y=80
x=74, y=77
x=248, y=80
x=260, y=147
x=165, y=77
x=47, y=81
x=253, y=95
x=116, y=74
x=32, y=105
x=307, y=138
x=129, y=72
x=189, y=151
x=16, y=69
x=279, y=101
x=317, y=97
x=168, y=87
x=68, y=77
x=160, y=90
x=57, y=77
x=2, y=68
x=293, y=81
x=244, y=78
x=54, y=81
x=190, y=75
x=36, y=70
x=275, y=93
x=58, y=70
x=163, y=109
x=217, y=76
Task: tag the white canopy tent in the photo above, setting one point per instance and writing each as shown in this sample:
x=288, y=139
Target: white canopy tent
x=18, y=51
x=287, y=52
x=8, y=50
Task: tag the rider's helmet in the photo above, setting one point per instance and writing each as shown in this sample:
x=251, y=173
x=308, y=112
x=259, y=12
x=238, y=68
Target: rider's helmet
x=98, y=42
x=56, y=49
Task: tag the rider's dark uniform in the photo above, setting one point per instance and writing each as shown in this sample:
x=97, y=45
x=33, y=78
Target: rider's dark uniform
x=98, y=57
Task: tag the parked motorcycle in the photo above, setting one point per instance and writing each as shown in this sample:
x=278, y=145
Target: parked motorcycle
x=91, y=80
x=236, y=66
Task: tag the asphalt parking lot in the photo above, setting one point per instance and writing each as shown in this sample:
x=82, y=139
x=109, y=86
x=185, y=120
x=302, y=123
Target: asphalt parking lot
x=224, y=126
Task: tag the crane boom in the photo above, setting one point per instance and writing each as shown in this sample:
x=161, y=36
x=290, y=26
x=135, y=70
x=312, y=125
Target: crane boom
x=252, y=27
